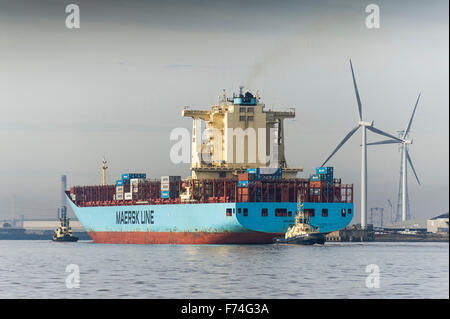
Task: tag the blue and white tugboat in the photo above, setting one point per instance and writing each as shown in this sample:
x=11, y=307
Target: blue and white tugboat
x=301, y=233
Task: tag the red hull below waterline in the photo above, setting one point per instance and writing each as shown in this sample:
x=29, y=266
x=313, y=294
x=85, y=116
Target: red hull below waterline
x=182, y=238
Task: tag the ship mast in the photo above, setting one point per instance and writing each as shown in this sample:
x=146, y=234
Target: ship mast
x=104, y=167
x=301, y=218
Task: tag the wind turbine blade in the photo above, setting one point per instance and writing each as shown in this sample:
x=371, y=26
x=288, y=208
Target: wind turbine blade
x=384, y=142
x=377, y=131
x=412, y=166
x=411, y=119
x=342, y=143
x=357, y=93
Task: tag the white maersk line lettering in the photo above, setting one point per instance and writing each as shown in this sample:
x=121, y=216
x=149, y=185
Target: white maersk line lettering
x=134, y=217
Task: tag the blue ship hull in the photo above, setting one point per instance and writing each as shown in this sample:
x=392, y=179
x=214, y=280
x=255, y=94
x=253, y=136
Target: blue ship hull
x=215, y=223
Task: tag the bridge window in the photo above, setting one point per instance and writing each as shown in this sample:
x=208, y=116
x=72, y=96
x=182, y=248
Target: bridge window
x=242, y=118
x=250, y=118
x=280, y=212
x=289, y=214
x=239, y=210
x=229, y=211
x=245, y=211
x=310, y=212
x=324, y=212
x=264, y=212
x=349, y=211
x=242, y=109
x=343, y=212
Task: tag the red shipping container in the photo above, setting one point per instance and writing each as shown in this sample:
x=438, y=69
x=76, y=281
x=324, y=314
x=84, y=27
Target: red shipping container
x=242, y=177
x=319, y=184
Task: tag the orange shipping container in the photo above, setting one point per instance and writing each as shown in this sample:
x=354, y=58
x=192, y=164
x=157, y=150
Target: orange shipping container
x=317, y=184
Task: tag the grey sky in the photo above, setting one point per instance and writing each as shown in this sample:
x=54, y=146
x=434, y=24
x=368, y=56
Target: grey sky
x=116, y=87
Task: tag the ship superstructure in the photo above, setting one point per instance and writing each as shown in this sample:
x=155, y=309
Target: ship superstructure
x=240, y=133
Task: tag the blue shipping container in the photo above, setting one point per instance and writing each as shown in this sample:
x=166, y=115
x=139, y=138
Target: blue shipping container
x=164, y=194
x=270, y=177
x=128, y=176
x=119, y=182
x=329, y=178
x=324, y=170
x=254, y=172
x=243, y=184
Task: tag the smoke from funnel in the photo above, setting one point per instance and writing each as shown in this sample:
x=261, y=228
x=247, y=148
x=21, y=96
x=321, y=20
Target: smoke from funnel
x=280, y=50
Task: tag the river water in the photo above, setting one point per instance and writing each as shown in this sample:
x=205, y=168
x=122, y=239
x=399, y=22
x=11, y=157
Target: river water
x=45, y=269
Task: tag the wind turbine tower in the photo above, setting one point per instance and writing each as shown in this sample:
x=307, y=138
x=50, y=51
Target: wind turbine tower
x=398, y=215
x=403, y=187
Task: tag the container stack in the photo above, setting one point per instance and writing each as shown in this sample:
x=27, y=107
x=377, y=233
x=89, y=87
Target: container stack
x=119, y=190
x=243, y=184
x=322, y=179
x=168, y=191
x=243, y=180
x=323, y=175
x=127, y=187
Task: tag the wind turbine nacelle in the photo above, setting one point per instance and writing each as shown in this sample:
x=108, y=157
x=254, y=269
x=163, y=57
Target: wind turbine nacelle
x=364, y=123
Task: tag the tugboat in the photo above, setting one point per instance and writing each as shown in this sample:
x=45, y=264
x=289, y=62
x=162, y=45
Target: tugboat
x=301, y=233
x=64, y=231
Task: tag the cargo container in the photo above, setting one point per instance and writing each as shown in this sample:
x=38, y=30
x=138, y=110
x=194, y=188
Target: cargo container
x=165, y=187
x=119, y=196
x=324, y=170
x=128, y=196
x=243, y=177
x=270, y=177
x=164, y=194
x=168, y=179
x=321, y=177
x=318, y=184
x=129, y=176
x=165, y=179
x=243, y=184
x=119, y=182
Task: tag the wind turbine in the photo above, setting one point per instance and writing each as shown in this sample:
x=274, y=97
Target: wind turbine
x=405, y=157
x=364, y=126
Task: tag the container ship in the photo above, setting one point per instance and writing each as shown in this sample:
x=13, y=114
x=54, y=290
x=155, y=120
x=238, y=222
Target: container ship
x=229, y=198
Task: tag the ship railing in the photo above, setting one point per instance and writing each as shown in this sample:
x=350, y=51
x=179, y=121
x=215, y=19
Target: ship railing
x=220, y=191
